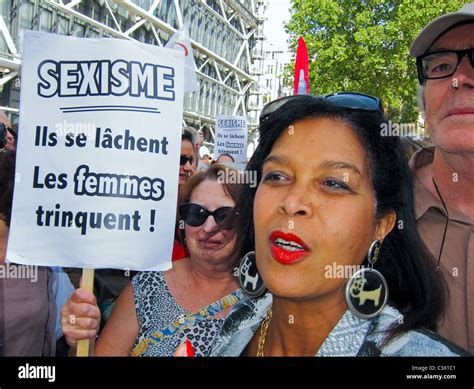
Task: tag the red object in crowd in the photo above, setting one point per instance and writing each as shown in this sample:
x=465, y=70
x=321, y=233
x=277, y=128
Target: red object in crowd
x=189, y=348
x=179, y=251
x=301, y=84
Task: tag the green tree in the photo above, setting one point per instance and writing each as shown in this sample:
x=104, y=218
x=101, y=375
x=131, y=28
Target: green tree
x=363, y=45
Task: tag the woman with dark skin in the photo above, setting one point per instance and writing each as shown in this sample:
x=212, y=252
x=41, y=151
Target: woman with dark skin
x=329, y=186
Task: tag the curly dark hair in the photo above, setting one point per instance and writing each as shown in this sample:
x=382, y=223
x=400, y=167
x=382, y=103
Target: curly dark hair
x=416, y=289
x=7, y=180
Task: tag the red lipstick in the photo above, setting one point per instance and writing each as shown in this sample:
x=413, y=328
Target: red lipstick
x=287, y=248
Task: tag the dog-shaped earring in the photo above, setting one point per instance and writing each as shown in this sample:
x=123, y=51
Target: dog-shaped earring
x=367, y=291
x=249, y=279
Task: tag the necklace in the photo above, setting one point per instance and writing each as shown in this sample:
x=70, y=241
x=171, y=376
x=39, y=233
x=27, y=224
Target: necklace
x=263, y=333
x=446, y=225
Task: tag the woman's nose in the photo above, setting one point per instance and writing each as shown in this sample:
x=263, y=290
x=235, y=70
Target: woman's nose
x=210, y=224
x=296, y=202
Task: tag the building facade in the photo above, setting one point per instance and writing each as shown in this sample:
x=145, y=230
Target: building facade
x=269, y=72
x=224, y=34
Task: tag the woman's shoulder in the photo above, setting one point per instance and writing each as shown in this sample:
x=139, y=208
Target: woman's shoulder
x=240, y=326
x=422, y=343
x=416, y=342
x=148, y=279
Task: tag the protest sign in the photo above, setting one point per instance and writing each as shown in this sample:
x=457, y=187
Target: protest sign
x=98, y=154
x=231, y=137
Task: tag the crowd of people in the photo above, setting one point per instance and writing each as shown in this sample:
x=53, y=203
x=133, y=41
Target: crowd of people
x=253, y=266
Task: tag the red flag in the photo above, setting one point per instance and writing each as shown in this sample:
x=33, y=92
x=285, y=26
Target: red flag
x=301, y=80
x=180, y=41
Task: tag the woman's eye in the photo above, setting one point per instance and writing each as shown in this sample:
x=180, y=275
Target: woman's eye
x=273, y=176
x=335, y=184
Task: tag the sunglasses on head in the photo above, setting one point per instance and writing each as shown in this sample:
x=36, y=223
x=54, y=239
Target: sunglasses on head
x=184, y=159
x=196, y=215
x=351, y=100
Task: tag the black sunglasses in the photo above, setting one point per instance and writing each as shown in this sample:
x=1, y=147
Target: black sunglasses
x=184, y=159
x=195, y=215
x=441, y=64
x=351, y=100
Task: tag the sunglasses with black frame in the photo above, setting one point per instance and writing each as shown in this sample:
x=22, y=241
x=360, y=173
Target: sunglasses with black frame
x=184, y=159
x=195, y=215
x=351, y=100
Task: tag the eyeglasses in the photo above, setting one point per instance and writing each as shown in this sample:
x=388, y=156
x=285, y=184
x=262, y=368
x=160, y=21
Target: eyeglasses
x=184, y=159
x=442, y=64
x=195, y=215
x=351, y=100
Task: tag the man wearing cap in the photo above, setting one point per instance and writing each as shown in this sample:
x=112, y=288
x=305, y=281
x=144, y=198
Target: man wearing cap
x=444, y=175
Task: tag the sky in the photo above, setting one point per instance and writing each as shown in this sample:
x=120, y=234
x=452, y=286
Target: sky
x=277, y=13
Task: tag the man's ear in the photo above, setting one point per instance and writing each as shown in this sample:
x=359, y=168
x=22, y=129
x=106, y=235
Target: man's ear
x=384, y=225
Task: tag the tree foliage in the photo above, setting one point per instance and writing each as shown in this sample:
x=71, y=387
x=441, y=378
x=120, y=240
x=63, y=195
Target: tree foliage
x=363, y=45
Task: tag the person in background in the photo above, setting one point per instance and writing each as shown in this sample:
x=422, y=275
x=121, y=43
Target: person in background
x=186, y=170
x=7, y=135
x=206, y=160
x=109, y=283
x=201, y=137
x=4, y=119
x=444, y=174
x=225, y=158
x=14, y=136
x=187, y=157
x=27, y=305
x=198, y=141
x=146, y=317
x=62, y=288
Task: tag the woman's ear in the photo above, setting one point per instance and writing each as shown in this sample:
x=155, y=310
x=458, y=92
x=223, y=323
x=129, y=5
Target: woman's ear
x=384, y=225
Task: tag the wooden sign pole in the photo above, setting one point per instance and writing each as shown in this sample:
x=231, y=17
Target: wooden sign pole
x=87, y=284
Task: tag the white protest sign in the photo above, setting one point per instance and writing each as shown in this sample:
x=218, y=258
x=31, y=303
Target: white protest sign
x=98, y=154
x=231, y=137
